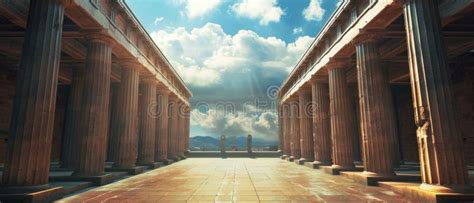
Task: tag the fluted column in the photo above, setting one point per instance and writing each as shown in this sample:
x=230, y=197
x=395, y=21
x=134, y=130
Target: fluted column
x=188, y=129
x=286, y=129
x=321, y=123
x=31, y=128
x=306, y=122
x=280, y=129
x=94, y=118
x=376, y=109
x=147, y=126
x=341, y=114
x=173, y=128
x=71, y=128
x=181, y=129
x=443, y=167
x=124, y=126
x=162, y=133
x=377, y=116
x=295, y=130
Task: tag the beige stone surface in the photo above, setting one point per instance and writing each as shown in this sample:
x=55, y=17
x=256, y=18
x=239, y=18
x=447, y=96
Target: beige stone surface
x=236, y=180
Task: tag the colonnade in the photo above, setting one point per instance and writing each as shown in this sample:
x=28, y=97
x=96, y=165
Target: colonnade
x=443, y=168
x=149, y=122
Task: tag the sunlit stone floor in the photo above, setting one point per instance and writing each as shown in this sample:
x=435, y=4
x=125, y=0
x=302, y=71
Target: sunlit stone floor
x=236, y=180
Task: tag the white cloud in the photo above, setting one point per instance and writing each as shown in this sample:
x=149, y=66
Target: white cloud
x=265, y=10
x=297, y=30
x=314, y=12
x=206, y=55
x=261, y=124
x=157, y=20
x=197, y=8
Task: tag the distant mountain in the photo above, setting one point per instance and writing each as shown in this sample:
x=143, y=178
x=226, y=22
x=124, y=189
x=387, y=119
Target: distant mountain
x=208, y=143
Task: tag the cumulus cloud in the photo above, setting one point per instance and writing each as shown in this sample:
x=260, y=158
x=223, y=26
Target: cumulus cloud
x=204, y=55
x=314, y=12
x=219, y=67
x=297, y=30
x=217, y=121
x=158, y=20
x=197, y=8
x=265, y=11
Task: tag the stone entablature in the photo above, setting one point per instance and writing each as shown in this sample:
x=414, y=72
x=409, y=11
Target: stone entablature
x=335, y=40
x=116, y=20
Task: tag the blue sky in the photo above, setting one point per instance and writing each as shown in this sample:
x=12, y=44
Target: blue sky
x=233, y=54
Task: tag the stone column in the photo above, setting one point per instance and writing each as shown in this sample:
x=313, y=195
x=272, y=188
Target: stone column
x=341, y=114
x=124, y=128
x=249, y=143
x=306, y=123
x=94, y=118
x=173, y=128
x=295, y=131
x=443, y=167
x=280, y=129
x=31, y=129
x=222, y=144
x=181, y=129
x=188, y=124
x=147, y=127
x=321, y=123
x=377, y=115
x=161, y=140
x=72, y=118
x=286, y=130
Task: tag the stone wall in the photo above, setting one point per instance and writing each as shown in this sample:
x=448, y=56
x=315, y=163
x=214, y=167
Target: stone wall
x=405, y=123
x=59, y=121
x=462, y=83
x=7, y=92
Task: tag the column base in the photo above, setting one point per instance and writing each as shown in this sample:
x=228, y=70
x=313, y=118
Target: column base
x=175, y=159
x=182, y=157
x=283, y=156
x=290, y=158
x=44, y=193
x=98, y=180
x=152, y=165
x=130, y=171
x=446, y=189
x=165, y=161
x=372, y=179
x=335, y=169
x=414, y=192
x=302, y=161
x=316, y=164
x=168, y=161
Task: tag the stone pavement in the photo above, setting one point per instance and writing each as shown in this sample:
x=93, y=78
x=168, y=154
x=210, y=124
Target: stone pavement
x=236, y=180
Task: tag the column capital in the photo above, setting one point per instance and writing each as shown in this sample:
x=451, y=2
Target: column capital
x=399, y=2
x=131, y=63
x=304, y=90
x=319, y=79
x=335, y=63
x=367, y=35
x=174, y=98
x=66, y=3
x=100, y=36
x=163, y=90
x=149, y=80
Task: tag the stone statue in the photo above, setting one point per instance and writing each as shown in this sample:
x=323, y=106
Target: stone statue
x=234, y=143
x=223, y=143
x=249, y=143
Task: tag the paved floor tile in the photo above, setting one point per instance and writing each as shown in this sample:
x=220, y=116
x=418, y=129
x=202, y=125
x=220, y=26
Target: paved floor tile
x=236, y=180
